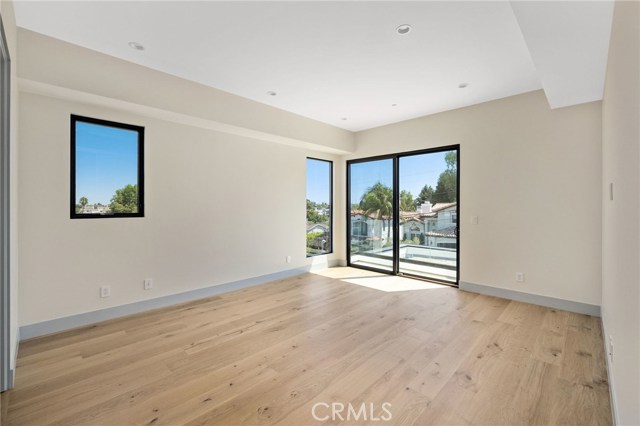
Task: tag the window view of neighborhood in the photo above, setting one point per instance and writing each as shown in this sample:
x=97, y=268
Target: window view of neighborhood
x=106, y=169
x=428, y=214
x=124, y=200
x=319, y=182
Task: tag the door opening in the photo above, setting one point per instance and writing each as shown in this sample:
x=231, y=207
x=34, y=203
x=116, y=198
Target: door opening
x=403, y=214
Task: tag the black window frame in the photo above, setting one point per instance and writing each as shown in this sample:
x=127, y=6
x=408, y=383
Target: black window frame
x=100, y=122
x=330, y=248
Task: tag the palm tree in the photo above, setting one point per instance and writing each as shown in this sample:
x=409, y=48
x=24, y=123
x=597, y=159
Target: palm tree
x=407, y=203
x=378, y=202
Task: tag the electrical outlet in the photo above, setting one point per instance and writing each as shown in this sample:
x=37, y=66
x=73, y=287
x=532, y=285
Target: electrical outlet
x=519, y=277
x=148, y=284
x=474, y=220
x=105, y=291
x=288, y=259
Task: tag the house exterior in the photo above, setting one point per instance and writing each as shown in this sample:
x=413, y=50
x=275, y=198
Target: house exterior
x=430, y=225
x=322, y=238
x=96, y=208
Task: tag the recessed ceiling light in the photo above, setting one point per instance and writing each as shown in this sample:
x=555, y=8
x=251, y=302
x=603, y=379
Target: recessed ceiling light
x=344, y=119
x=462, y=85
x=271, y=93
x=403, y=29
x=394, y=104
x=135, y=45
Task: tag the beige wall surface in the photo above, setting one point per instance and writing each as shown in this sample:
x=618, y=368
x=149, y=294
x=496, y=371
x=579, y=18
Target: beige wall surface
x=532, y=176
x=219, y=208
x=621, y=216
x=88, y=72
x=10, y=30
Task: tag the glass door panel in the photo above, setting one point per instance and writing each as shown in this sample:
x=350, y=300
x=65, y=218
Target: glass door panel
x=371, y=204
x=428, y=227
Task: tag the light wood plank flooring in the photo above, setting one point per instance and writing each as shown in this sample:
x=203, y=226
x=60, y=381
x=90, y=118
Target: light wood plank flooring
x=269, y=354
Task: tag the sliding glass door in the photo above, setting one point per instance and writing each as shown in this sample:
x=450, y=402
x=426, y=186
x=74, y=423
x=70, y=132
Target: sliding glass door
x=371, y=214
x=403, y=214
x=428, y=186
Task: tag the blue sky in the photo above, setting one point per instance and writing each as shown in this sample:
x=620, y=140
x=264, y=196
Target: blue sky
x=106, y=160
x=415, y=172
x=318, y=181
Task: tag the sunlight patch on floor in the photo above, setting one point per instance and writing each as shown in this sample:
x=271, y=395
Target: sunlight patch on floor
x=377, y=281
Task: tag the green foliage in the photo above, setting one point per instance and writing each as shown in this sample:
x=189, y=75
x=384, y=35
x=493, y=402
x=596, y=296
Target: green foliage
x=83, y=202
x=447, y=188
x=125, y=200
x=407, y=204
x=317, y=242
x=451, y=158
x=426, y=194
x=378, y=203
x=312, y=236
x=313, y=215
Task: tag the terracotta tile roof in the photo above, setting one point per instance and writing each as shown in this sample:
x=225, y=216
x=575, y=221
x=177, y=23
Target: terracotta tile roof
x=444, y=232
x=441, y=206
x=404, y=216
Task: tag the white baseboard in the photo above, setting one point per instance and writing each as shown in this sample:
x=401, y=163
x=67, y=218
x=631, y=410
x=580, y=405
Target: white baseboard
x=535, y=299
x=12, y=378
x=612, y=388
x=79, y=320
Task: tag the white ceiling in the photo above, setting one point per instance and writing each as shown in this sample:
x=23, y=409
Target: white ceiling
x=343, y=63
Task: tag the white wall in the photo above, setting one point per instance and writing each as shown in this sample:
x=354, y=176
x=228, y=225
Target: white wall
x=532, y=175
x=621, y=230
x=208, y=193
x=8, y=19
x=92, y=77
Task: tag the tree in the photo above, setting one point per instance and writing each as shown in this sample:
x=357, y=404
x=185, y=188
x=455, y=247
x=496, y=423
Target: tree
x=446, y=190
x=378, y=202
x=312, y=239
x=83, y=202
x=407, y=204
x=447, y=187
x=451, y=158
x=426, y=194
x=125, y=200
x=312, y=212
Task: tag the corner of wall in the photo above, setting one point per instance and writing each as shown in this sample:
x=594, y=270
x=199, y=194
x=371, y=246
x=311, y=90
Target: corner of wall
x=612, y=387
x=10, y=28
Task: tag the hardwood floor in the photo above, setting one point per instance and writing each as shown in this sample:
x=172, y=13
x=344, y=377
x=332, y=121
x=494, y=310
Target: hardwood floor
x=281, y=352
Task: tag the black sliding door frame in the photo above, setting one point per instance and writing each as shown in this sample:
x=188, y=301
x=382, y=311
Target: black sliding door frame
x=395, y=201
x=396, y=211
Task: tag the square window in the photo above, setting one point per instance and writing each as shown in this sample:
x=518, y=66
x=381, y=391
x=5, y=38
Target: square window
x=107, y=169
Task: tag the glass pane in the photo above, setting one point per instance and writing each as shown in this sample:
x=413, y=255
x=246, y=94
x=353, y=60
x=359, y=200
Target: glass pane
x=428, y=215
x=106, y=169
x=319, y=181
x=371, y=239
